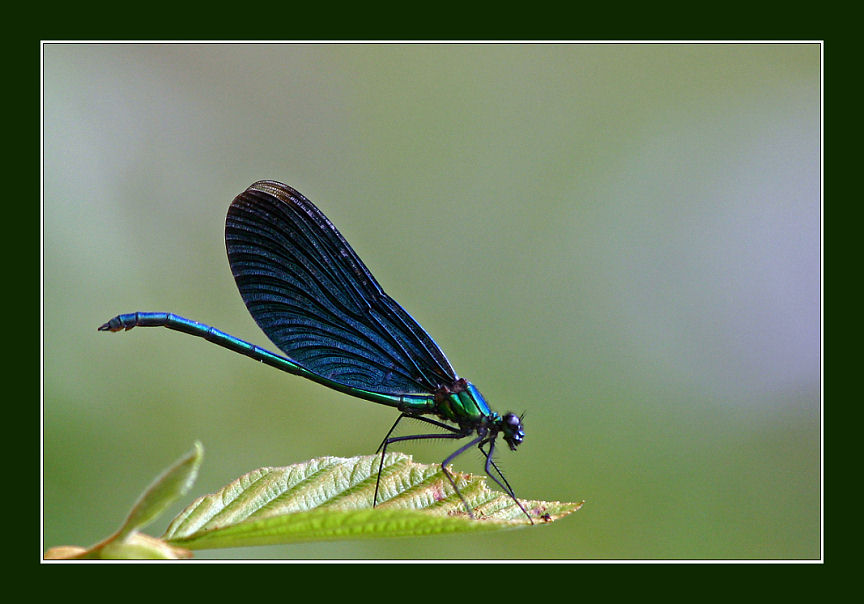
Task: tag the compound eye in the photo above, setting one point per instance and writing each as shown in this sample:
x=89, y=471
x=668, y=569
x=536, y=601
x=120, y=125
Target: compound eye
x=512, y=420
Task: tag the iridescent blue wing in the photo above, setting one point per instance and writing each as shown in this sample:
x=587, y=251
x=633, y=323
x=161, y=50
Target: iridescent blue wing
x=317, y=301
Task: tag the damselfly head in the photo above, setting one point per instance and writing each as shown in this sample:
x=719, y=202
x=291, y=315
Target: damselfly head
x=511, y=427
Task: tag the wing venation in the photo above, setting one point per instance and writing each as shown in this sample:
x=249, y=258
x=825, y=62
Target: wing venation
x=316, y=300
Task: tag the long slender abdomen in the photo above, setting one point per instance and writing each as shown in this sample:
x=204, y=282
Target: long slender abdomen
x=409, y=402
x=209, y=333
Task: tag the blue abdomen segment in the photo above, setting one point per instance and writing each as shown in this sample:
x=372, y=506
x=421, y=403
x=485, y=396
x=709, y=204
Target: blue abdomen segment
x=409, y=402
x=211, y=334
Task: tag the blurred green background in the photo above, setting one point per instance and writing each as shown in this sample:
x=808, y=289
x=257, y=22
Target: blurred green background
x=623, y=241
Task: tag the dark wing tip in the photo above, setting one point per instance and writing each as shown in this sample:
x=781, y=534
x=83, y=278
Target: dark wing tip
x=275, y=188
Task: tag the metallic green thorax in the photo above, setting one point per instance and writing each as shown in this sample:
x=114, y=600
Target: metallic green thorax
x=461, y=403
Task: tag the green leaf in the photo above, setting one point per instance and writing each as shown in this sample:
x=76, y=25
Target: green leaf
x=330, y=498
x=127, y=542
x=168, y=487
x=138, y=546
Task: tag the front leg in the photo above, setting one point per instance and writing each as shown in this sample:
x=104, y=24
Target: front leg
x=455, y=433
